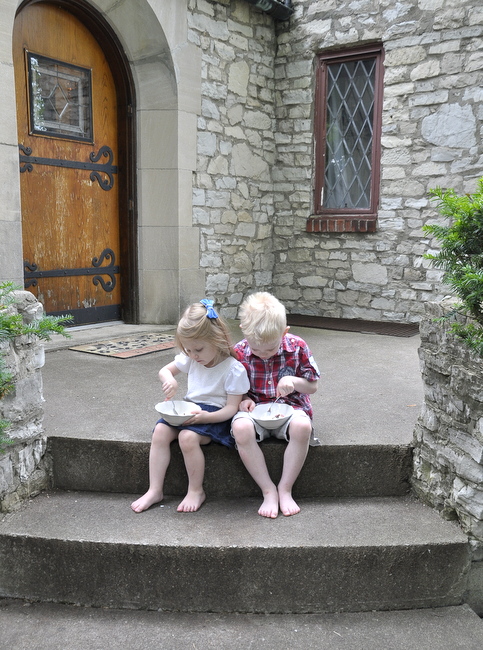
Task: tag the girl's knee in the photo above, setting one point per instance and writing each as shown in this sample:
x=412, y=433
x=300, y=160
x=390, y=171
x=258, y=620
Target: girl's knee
x=188, y=439
x=162, y=434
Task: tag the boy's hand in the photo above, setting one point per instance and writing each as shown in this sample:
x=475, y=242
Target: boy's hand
x=247, y=405
x=285, y=386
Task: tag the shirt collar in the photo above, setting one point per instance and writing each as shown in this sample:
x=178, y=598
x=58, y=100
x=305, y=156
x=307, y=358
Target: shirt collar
x=286, y=345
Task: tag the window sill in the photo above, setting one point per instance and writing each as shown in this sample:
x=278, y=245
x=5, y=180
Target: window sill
x=341, y=224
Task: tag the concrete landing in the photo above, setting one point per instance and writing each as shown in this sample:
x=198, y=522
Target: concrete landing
x=370, y=390
x=25, y=626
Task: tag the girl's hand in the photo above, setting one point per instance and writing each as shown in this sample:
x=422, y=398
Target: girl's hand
x=199, y=416
x=285, y=386
x=169, y=386
x=247, y=405
x=168, y=382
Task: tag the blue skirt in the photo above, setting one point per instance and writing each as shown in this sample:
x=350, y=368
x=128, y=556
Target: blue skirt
x=218, y=431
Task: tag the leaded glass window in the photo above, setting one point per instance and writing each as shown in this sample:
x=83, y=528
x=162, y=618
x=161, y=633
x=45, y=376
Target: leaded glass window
x=348, y=114
x=60, y=98
x=350, y=109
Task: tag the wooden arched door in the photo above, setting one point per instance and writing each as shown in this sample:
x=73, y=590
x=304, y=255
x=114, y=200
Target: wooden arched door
x=72, y=173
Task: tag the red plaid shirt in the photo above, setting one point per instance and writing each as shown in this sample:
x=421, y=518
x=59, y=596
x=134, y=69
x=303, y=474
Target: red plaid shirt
x=293, y=358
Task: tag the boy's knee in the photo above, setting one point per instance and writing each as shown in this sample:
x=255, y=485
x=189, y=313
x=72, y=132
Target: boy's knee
x=243, y=430
x=300, y=429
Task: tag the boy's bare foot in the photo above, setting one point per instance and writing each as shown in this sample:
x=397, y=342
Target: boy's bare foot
x=269, y=507
x=192, y=502
x=147, y=500
x=287, y=504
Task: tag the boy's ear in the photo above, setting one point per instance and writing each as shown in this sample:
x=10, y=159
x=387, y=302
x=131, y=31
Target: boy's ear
x=286, y=330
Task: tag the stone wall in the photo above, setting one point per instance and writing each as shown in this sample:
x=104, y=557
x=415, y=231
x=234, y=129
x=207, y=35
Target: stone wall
x=233, y=195
x=254, y=180
x=23, y=468
x=430, y=136
x=448, y=438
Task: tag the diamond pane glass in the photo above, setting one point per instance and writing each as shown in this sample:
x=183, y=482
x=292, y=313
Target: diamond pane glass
x=60, y=98
x=350, y=110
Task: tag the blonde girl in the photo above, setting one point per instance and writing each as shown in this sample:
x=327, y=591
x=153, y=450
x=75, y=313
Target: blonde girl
x=216, y=385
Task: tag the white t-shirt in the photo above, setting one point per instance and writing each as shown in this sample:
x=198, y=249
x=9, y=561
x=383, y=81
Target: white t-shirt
x=212, y=385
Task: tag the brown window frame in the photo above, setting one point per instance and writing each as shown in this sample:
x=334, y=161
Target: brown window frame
x=346, y=219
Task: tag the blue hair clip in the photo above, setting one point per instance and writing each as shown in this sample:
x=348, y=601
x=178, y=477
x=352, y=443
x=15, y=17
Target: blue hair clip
x=210, y=312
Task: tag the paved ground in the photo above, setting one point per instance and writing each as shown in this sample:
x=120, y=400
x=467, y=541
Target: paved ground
x=370, y=389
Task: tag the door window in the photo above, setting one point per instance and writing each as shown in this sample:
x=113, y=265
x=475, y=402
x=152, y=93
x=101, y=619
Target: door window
x=60, y=98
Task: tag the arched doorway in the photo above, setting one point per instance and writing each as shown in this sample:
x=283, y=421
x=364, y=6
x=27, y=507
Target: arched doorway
x=75, y=125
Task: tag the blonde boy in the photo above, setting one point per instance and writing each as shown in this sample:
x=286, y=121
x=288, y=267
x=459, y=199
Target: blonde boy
x=278, y=365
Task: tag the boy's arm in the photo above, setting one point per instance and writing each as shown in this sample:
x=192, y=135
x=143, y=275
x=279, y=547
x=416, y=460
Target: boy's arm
x=290, y=384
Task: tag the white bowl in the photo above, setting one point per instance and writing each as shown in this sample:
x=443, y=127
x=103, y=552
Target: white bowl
x=185, y=411
x=279, y=414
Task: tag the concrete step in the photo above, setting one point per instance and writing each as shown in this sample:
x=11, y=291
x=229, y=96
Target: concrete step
x=337, y=555
x=355, y=470
x=43, y=626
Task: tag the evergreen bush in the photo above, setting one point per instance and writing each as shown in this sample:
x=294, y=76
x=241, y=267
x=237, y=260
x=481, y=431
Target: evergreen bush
x=461, y=259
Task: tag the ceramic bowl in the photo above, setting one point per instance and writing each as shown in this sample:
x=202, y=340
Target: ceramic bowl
x=184, y=409
x=279, y=414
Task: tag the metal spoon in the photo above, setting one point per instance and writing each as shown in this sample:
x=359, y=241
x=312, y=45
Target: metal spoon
x=270, y=407
x=174, y=408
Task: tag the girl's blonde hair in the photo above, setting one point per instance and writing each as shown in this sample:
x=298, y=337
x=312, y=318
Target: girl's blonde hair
x=195, y=324
x=262, y=318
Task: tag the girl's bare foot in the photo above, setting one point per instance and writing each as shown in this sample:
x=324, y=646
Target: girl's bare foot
x=287, y=504
x=192, y=502
x=269, y=507
x=147, y=500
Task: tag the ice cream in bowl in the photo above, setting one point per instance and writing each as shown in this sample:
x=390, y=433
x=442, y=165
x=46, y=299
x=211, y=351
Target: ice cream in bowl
x=177, y=412
x=272, y=415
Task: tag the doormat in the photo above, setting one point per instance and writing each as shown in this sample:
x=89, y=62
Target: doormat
x=354, y=325
x=129, y=346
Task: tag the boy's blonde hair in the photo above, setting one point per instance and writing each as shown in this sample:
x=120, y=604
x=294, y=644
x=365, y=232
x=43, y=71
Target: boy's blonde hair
x=195, y=324
x=263, y=318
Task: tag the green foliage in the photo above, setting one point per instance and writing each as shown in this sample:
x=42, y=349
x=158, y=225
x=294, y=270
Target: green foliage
x=461, y=258
x=11, y=326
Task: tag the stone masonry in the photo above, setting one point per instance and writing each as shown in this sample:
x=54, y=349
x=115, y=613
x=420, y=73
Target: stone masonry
x=233, y=188
x=448, y=438
x=254, y=180
x=23, y=467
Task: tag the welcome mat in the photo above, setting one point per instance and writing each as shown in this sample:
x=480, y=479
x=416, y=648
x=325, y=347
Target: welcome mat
x=129, y=346
x=354, y=325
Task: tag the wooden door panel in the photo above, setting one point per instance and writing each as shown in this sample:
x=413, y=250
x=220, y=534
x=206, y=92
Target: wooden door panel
x=68, y=219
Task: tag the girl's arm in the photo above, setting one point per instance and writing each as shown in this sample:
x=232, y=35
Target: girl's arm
x=167, y=378
x=225, y=413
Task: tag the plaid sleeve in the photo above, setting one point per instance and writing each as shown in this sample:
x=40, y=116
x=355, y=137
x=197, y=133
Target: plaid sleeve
x=308, y=368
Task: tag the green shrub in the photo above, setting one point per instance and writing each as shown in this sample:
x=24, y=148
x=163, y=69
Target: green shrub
x=13, y=325
x=461, y=259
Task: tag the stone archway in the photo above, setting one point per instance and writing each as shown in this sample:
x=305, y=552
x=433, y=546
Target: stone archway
x=167, y=73
x=166, y=69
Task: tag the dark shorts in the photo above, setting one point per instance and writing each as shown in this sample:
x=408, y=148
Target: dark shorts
x=218, y=431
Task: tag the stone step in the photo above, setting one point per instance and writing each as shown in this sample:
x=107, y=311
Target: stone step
x=358, y=470
x=61, y=627
x=337, y=555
